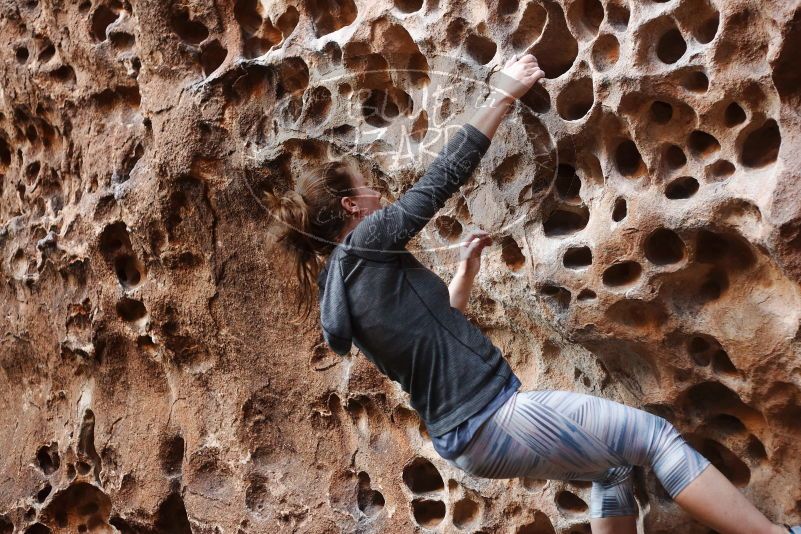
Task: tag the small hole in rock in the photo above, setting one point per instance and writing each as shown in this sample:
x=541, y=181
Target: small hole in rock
x=130, y=309
x=706, y=32
x=761, y=147
x=564, y=221
x=421, y=476
x=696, y=81
x=675, y=158
x=721, y=363
x=428, y=513
x=568, y=184
x=720, y=170
x=664, y=247
x=671, y=46
x=409, y=6
x=586, y=294
x=21, y=54
x=703, y=144
x=577, y=257
x=628, y=159
x=620, y=210
x=575, y=100
x=570, y=502
x=560, y=295
x=680, y=188
x=618, y=15
x=661, y=112
x=511, y=254
x=480, y=48
x=622, y=274
x=734, y=115
x=605, y=52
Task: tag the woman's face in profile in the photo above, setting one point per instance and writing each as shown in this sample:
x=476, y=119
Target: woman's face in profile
x=365, y=197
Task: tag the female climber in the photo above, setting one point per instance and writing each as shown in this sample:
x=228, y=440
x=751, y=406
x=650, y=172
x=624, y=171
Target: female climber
x=404, y=318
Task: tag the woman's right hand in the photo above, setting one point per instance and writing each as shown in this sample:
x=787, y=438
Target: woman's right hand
x=518, y=76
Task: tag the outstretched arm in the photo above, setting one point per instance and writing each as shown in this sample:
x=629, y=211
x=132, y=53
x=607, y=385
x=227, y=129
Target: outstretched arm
x=391, y=227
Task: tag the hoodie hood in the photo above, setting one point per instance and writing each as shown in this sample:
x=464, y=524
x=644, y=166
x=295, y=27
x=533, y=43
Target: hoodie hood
x=334, y=309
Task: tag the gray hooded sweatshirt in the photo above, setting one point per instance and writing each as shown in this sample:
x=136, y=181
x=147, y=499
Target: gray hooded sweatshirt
x=375, y=294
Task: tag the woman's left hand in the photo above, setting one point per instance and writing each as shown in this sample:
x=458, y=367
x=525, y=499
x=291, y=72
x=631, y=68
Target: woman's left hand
x=470, y=252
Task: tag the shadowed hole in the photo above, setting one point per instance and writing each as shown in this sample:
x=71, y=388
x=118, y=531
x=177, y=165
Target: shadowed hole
x=661, y=112
x=720, y=170
x=557, y=49
x=188, y=30
x=575, y=100
x=622, y=274
x=419, y=127
x=628, y=159
x=680, y=188
x=330, y=15
x=605, y=52
x=130, y=309
x=568, y=184
x=102, y=18
x=721, y=363
x=716, y=283
x=508, y=7
x=128, y=272
x=428, y=513
x=511, y=254
x=465, y=513
x=421, y=476
x=620, y=210
x=731, y=252
x=409, y=6
x=671, y=46
x=171, y=455
x=727, y=462
x=699, y=348
x=761, y=147
x=707, y=30
x=212, y=56
x=532, y=22
x=21, y=54
x=702, y=144
x=480, y=48
x=448, y=227
x=734, y=115
x=695, y=81
x=675, y=158
x=47, y=458
x=559, y=295
x=370, y=501
x=577, y=257
x=664, y=247
x=586, y=294
x=537, y=99
x=540, y=525
x=565, y=222
x=570, y=502
x=618, y=14
x=589, y=14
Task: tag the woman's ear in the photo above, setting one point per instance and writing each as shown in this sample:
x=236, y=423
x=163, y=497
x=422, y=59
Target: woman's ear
x=348, y=205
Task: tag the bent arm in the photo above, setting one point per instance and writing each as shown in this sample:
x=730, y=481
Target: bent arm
x=459, y=289
x=391, y=227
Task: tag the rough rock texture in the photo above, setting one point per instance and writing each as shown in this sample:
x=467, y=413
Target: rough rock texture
x=648, y=249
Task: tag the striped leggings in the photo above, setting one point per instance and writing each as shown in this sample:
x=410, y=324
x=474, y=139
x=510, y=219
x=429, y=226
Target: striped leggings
x=564, y=435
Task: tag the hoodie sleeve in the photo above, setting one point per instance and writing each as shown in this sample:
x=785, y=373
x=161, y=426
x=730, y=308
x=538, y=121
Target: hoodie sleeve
x=391, y=227
x=334, y=309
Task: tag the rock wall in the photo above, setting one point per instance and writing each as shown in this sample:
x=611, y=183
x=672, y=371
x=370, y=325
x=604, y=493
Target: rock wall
x=644, y=200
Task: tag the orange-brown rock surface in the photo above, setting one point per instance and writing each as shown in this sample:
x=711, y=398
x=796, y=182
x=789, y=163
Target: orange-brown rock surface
x=645, y=202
